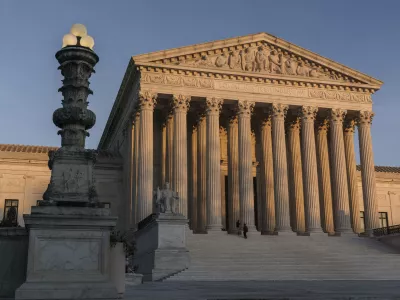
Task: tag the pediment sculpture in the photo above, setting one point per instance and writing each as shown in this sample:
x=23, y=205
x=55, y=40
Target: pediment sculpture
x=166, y=200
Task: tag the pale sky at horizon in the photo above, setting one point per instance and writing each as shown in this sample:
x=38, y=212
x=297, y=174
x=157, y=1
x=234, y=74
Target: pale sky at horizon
x=363, y=35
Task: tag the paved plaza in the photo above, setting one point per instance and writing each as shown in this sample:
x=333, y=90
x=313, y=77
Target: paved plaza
x=363, y=289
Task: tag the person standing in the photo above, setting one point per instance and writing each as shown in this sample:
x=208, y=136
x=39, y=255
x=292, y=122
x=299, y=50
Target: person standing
x=238, y=227
x=245, y=230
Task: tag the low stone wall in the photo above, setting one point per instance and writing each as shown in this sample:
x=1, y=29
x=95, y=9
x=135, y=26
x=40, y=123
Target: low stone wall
x=161, y=247
x=13, y=260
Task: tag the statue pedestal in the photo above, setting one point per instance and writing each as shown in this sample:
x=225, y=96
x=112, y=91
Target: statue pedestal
x=69, y=252
x=161, y=246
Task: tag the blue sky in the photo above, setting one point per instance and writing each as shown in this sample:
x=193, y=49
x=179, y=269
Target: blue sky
x=360, y=34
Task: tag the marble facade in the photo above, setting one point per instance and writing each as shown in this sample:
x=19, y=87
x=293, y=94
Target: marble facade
x=251, y=128
x=286, y=112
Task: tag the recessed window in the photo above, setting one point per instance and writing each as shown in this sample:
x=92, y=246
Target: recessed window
x=11, y=204
x=383, y=220
x=107, y=205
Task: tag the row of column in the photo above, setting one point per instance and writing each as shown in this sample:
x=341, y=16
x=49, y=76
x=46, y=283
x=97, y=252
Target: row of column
x=319, y=179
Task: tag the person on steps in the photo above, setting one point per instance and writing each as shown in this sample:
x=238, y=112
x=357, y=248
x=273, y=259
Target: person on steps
x=245, y=230
x=238, y=227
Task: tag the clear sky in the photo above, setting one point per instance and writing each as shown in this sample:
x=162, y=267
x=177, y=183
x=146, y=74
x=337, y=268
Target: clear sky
x=363, y=34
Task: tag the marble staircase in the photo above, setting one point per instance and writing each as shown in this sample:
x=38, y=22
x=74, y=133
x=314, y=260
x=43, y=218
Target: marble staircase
x=222, y=257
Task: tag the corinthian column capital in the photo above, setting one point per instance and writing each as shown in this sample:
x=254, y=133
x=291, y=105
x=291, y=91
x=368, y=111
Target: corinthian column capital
x=365, y=118
x=322, y=125
x=245, y=107
x=147, y=100
x=266, y=118
x=279, y=110
x=349, y=126
x=180, y=103
x=293, y=123
x=338, y=114
x=214, y=105
x=308, y=113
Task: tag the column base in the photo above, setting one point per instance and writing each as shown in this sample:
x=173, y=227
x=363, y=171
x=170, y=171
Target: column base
x=286, y=233
x=365, y=234
x=214, y=228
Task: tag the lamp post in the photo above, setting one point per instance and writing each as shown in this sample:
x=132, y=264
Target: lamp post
x=69, y=233
x=72, y=182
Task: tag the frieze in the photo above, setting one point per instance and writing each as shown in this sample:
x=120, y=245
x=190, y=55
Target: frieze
x=259, y=88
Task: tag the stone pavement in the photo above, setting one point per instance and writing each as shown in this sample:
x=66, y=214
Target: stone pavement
x=262, y=290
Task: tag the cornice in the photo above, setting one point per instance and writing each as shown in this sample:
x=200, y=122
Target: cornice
x=281, y=80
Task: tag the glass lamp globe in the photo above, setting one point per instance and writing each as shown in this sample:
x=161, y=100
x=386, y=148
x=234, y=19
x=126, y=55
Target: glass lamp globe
x=69, y=40
x=87, y=41
x=79, y=30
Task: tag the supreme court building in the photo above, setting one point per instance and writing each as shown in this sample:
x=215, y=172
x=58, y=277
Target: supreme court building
x=252, y=128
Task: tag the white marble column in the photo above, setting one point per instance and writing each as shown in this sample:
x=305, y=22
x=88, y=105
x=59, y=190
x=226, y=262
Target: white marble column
x=135, y=179
x=310, y=172
x=368, y=171
x=213, y=110
x=246, y=193
x=267, y=176
x=280, y=168
x=170, y=148
x=201, y=175
x=339, y=173
x=194, y=153
x=324, y=175
x=296, y=194
x=164, y=153
x=349, y=128
x=147, y=102
x=128, y=174
x=233, y=173
x=180, y=106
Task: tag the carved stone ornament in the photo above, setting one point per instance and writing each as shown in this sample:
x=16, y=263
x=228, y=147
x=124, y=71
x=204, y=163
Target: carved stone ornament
x=214, y=105
x=279, y=110
x=338, y=114
x=223, y=132
x=365, y=118
x=262, y=57
x=166, y=200
x=245, y=107
x=266, y=87
x=349, y=126
x=233, y=119
x=180, y=103
x=147, y=100
x=308, y=113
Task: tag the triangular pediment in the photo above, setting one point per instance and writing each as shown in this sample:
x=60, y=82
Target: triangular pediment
x=261, y=54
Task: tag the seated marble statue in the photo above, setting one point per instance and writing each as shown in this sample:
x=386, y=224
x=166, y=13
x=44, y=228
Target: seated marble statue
x=166, y=200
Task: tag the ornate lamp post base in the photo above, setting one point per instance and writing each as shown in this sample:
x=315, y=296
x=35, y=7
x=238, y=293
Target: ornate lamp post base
x=69, y=232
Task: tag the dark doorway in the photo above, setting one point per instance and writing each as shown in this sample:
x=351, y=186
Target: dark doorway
x=226, y=204
x=255, y=202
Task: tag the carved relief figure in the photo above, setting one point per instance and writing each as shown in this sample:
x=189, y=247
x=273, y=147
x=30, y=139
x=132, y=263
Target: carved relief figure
x=290, y=66
x=302, y=69
x=275, y=63
x=261, y=62
x=72, y=182
x=221, y=60
x=234, y=60
x=248, y=62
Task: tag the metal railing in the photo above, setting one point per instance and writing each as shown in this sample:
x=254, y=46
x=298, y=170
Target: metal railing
x=386, y=230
